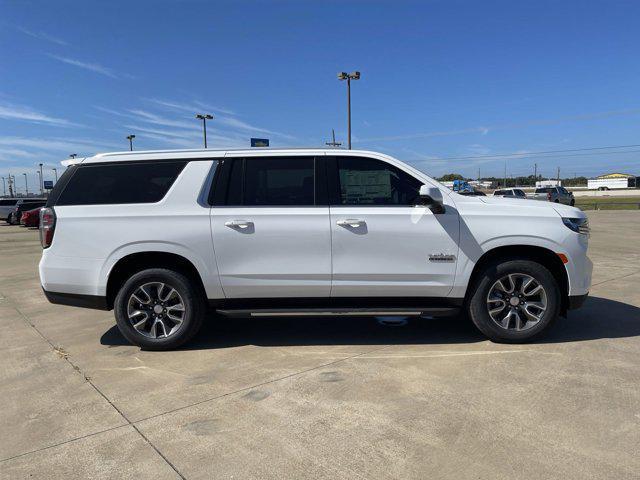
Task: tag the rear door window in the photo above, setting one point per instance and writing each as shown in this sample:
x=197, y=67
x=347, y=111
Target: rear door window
x=272, y=181
x=118, y=183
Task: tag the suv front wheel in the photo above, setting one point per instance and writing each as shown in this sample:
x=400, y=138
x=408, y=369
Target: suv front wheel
x=514, y=301
x=159, y=309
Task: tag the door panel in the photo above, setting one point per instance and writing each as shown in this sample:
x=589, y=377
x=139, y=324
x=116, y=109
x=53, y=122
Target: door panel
x=271, y=231
x=382, y=244
x=274, y=252
x=389, y=251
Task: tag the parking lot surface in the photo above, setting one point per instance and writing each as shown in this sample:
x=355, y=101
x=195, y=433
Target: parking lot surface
x=323, y=398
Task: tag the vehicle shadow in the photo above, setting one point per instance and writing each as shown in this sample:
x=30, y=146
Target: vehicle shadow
x=598, y=318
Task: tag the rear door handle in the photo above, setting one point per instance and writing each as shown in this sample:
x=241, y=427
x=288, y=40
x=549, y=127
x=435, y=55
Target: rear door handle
x=238, y=223
x=350, y=222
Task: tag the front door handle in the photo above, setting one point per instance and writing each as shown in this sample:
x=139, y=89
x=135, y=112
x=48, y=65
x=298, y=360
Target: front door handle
x=238, y=223
x=351, y=222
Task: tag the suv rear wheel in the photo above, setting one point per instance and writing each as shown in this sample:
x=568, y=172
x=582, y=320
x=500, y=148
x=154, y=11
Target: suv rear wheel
x=159, y=309
x=514, y=301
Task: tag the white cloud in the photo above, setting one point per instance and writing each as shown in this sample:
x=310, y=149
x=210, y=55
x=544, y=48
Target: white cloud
x=80, y=146
x=20, y=112
x=235, y=123
x=93, y=67
x=191, y=107
x=43, y=36
x=160, y=120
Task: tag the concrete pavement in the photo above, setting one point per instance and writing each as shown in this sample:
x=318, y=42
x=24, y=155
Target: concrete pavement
x=323, y=398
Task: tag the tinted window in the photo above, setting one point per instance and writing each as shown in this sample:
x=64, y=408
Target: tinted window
x=365, y=181
x=117, y=183
x=7, y=202
x=519, y=192
x=272, y=181
x=543, y=190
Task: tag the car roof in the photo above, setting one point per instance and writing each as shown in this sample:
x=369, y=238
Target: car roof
x=212, y=154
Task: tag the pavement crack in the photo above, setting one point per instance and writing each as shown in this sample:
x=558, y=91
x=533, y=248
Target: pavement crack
x=268, y=382
x=63, y=354
x=616, y=278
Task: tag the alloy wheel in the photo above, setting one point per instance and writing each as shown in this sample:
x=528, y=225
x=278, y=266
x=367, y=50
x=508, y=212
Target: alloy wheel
x=156, y=310
x=517, y=301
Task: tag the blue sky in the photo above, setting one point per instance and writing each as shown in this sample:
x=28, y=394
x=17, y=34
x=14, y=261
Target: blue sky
x=440, y=79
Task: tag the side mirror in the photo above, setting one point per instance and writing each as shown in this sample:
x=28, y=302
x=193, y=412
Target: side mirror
x=432, y=198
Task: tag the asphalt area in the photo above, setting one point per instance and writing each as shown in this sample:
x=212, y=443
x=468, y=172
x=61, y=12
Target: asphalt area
x=323, y=397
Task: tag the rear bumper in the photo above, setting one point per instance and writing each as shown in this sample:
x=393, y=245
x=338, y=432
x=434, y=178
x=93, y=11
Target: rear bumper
x=576, y=301
x=77, y=300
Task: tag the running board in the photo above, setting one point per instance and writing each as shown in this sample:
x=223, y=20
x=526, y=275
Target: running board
x=325, y=312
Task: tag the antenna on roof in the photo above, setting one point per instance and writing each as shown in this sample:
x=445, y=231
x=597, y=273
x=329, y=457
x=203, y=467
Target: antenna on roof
x=333, y=143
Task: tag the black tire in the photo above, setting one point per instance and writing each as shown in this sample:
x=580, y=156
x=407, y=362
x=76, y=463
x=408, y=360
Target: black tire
x=194, y=309
x=572, y=203
x=556, y=201
x=477, y=300
x=10, y=219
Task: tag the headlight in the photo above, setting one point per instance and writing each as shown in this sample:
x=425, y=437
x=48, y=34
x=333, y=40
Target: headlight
x=578, y=225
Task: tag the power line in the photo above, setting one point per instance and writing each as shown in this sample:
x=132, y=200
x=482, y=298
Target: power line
x=529, y=154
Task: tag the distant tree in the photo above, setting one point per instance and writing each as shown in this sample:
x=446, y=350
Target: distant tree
x=450, y=177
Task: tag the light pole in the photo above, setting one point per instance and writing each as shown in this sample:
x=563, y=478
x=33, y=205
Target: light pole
x=204, y=117
x=39, y=179
x=41, y=184
x=73, y=155
x=348, y=77
x=130, y=138
x=55, y=171
x=26, y=187
x=4, y=187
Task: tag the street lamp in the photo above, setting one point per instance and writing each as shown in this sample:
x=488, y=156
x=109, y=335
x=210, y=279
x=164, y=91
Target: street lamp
x=204, y=117
x=348, y=77
x=55, y=171
x=41, y=184
x=39, y=179
x=4, y=187
x=73, y=155
x=26, y=187
x=130, y=138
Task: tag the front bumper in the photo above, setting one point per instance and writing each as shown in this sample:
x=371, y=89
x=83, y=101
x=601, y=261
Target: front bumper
x=576, y=301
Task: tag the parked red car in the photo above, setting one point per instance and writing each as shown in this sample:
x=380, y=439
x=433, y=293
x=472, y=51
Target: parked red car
x=31, y=218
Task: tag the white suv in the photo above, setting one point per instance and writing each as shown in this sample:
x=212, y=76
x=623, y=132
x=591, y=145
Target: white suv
x=162, y=237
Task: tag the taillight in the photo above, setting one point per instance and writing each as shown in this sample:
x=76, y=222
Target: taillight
x=47, y=226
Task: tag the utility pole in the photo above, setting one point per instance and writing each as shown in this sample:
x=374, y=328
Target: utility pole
x=26, y=187
x=55, y=171
x=478, y=174
x=204, y=117
x=333, y=142
x=348, y=77
x=558, y=177
x=130, y=138
x=535, y=174
x=505, y=174
x=41, y=181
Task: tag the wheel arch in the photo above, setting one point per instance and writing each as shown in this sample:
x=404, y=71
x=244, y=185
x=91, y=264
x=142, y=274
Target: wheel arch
x=541, y=255
x=136, y=262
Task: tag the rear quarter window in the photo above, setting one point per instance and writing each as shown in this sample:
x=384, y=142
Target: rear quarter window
x=118, y=183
